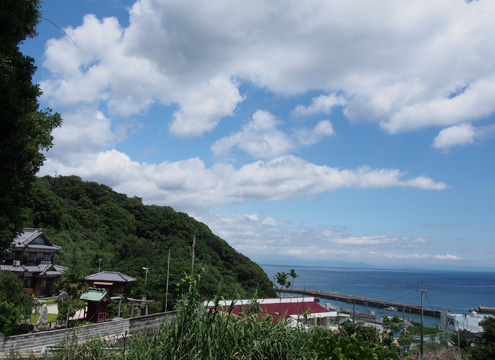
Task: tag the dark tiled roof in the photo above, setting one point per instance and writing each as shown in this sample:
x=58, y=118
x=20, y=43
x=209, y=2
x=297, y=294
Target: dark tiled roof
x=29, y=234
x=110, y=276
x=44, y=268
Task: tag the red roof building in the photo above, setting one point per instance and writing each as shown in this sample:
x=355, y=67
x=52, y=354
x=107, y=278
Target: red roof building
x=300, y=309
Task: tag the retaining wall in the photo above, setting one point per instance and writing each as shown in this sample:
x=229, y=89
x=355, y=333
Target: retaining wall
x=108, y=329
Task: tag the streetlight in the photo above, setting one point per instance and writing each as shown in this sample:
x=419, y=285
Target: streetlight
x=146, y=275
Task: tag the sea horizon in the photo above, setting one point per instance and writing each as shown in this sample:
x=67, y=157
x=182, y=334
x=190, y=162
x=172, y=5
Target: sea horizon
x=457, y=291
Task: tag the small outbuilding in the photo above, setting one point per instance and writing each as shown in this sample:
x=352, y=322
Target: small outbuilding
x=97, y=300
x=116, y=283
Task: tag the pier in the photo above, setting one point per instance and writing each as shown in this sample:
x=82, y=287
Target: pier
x=414, y=309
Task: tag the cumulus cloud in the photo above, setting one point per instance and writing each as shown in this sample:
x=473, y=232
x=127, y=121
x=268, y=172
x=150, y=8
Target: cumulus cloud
x=202, y=108
x=320, y=104
x=85, y=130
x=180, y=184
x=308, y=137
x=261, y=137
x=461, y=135
x=399, y=66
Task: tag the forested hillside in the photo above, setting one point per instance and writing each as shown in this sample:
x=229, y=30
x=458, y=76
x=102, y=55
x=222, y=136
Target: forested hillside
x=91, y=221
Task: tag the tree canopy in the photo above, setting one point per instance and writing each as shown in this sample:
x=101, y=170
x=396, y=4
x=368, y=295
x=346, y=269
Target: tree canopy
x=25, y=130
x=14, y=304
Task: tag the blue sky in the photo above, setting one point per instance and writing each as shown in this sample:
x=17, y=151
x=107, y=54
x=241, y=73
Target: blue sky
x=300, y=132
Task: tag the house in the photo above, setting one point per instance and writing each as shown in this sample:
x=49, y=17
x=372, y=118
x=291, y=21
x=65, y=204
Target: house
x=454, y=322
x=114, y=282
x=31, y=258
x=300, y=310
x=97, y=300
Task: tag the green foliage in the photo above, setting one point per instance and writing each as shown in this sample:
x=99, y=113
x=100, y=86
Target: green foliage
x=67, y=309
x=15, y=305
x=415, y=329
x=485, y=349
x=218, y=334
x=25, y=131
x=72, y=283
x=364, y=333
x=328, y=345
x=293, y=275
x=91, y=221
x=393, y=324
x=20, y=306
x=9, y=317
x=463, y=339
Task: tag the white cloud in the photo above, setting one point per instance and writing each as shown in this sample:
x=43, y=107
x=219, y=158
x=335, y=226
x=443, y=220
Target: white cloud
x=400, y=65
x=308, y=137
x=84, y=131
x=261, y=137
x=252, y=236
x=203, y=107
x=447, y=257
x=180, y=184
x=461, y=135
x=320, y=104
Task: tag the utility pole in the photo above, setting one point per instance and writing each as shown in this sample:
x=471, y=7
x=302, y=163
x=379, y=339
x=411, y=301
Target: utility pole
x=192, y=260
x=168, y=270
x=145, y=275
x=422, y=291
x=353, y=309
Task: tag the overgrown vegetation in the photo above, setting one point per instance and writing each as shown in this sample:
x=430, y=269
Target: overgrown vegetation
x=200, y=334
x=14, y=304
x=91, y=221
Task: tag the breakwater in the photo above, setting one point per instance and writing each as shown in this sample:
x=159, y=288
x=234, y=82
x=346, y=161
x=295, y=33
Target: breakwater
x=414, y=309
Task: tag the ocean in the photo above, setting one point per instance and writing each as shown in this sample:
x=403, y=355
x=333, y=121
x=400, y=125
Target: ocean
x=453, y=291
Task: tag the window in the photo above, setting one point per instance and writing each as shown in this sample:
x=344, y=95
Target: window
x=28, y=283
x=32, y=256
x=47, y=257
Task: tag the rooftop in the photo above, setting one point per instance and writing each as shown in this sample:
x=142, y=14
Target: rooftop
x=110, y=276
x=33, y=238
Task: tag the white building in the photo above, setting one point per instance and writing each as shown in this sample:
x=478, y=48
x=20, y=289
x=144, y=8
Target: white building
x=470, y=322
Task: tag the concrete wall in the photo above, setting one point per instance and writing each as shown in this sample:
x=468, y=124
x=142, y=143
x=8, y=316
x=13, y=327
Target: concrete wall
x=108, y=329
x=150, y=322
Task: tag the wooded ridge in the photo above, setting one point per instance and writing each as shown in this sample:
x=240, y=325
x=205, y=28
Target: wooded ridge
x=91, y=221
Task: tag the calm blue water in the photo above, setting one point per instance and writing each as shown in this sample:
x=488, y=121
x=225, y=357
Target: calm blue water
x=455, y=290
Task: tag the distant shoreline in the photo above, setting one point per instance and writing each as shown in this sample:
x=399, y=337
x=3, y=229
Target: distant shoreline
x=414, y=309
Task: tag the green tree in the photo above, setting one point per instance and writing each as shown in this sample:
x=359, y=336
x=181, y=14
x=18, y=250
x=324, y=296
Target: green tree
x=282, y=278
x=393, y=324
x=25, y=130
x=9, y=317
x=486, y=348
x=14, y=304
x=293, y=275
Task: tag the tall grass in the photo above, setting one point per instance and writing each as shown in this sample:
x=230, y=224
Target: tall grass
x=219, y=334
x=200, y=334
